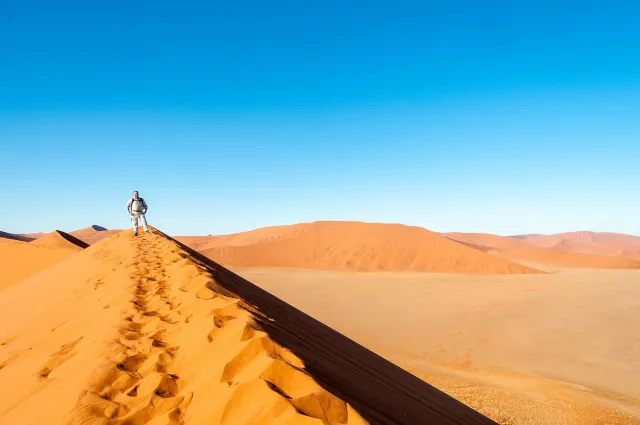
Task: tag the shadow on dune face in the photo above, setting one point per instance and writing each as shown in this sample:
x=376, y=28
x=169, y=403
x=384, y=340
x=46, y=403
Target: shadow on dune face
x=73, y=240
x=379, y=390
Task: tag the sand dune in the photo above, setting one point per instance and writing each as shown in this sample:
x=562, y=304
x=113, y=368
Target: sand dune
x=145, y=331
x=34, y=235
x=251, y=237
x=93, y=234
x=356, y=246
x=549, y=241
x=19, y=260
x=614, y=249
x=15, y=237
x=60, y=239
x=567, y=259
x=578, y=252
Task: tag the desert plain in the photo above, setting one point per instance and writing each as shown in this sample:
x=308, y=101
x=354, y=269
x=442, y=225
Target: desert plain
x=99, y=327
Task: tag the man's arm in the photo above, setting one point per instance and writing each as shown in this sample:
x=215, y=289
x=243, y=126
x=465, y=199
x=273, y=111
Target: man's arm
x=129, y=206
x=144, y=207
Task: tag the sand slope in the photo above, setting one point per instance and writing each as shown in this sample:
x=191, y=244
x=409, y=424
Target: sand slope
x=19, y=260
x=60, y=239
x=145, y=331
x=356, y=246
x=93, y=234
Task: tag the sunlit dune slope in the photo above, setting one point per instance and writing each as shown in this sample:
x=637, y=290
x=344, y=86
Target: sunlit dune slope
x=60, y=239
x=356, y=246
x=19, y=260
x=143, y=330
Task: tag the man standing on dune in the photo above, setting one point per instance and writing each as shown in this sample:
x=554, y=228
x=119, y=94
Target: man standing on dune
x=137, y=208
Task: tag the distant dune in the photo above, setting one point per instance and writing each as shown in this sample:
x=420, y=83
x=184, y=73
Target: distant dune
x=34, y=235
x=549, y=241
x=15, y=237
x=60, y=239
x=199, y=243
x=524, y=236
x=572, y=251
x=568, y=259
x=93, y=234
x=614, y=249
x=356, y=246
x=19, y=260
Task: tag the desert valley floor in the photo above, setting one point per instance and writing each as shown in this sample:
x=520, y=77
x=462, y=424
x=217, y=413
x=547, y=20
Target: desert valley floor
x=523, y=349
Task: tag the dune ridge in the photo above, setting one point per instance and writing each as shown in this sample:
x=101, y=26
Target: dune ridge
x=15, y=237
x=146, y=331
x=60, y=239
x=356, y=246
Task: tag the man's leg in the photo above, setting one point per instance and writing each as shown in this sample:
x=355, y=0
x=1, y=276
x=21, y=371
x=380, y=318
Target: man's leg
x=144, y=223
x=134, y=220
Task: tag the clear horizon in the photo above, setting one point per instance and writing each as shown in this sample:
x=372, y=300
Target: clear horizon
x=494, y=118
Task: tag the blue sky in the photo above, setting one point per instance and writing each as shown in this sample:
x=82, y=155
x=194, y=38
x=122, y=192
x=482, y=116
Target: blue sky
x=457, y=116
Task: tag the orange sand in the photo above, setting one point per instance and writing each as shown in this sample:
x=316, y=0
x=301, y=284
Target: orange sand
x=60, y=239
x=142, y=330
x=93, y=234
x=355, y=246
x=19, y=260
